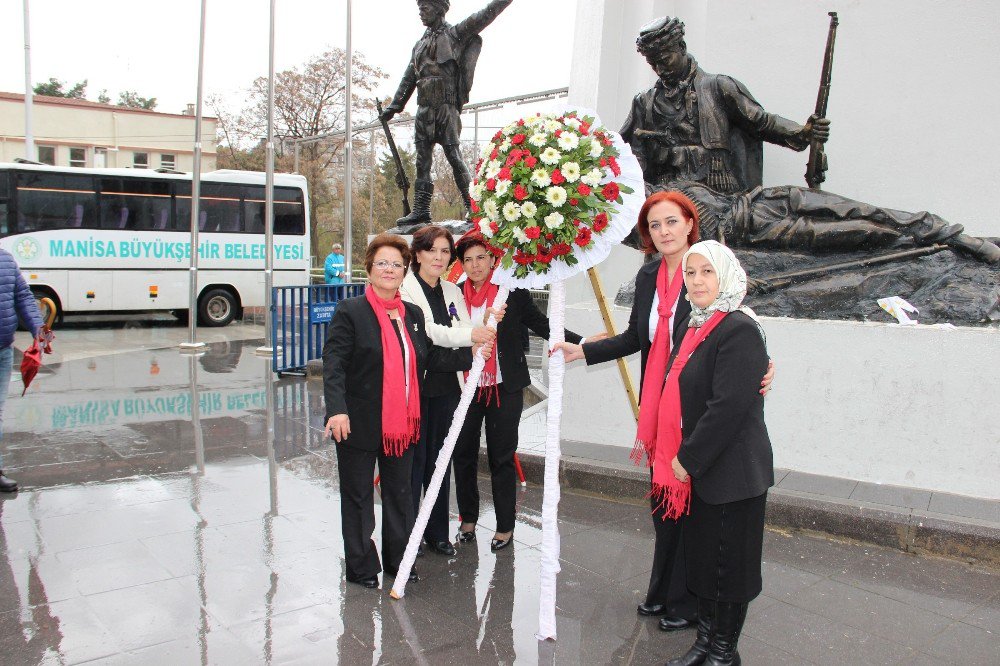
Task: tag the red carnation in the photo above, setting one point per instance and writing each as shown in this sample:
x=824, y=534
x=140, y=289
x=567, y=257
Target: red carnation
x=533, y=232
x=583, y=189
x=520, y=192
x=474, y=205
x=548, y=236
x=494, y=227
x=611, y=191
x=518, y=139
x=543, y=256
x=520, y=123
x=498, y=136
x=504, y=174
x=524, y=259
x=479, y=164
x=561, y=249
x=615, y=169
x=494, y=154
x=574, y=201
x=584, y=128
x=603, y=162
x=600, y=222
x=583, y=237
x=530, y=161
x=557, y=177
x=491, y=184
x=558, y=133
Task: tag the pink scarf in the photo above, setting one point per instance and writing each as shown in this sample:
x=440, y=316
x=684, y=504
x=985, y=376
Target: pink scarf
x=665, y=440
x=400, y=413
x=477, y=299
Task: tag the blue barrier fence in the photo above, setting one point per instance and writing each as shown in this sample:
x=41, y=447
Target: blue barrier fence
x=300, y=316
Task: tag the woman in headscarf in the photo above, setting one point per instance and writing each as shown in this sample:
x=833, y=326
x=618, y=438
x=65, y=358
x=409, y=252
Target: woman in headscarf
x=668, y=225
x=711, y=452
x=376, y=353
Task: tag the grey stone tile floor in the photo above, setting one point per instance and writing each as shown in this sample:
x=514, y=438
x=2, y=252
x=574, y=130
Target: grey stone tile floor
x=144, y=535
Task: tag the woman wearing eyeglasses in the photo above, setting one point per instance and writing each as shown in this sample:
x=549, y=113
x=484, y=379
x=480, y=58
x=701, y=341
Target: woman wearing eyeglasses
x=374, y=360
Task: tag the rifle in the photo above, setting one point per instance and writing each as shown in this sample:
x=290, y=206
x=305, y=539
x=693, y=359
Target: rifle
x=401, y=180
x=817, y=166
x=664, y=137
x=783, y=280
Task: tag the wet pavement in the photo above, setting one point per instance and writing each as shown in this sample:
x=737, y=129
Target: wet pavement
x=160, y=524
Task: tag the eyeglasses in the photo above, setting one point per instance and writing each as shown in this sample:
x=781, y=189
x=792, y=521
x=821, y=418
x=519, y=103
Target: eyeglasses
x=388, y=265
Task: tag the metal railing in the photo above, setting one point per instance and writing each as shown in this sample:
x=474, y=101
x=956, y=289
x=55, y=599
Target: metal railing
x=300, y=316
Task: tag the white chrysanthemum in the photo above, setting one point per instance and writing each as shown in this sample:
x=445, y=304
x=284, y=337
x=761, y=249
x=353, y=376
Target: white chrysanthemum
x=568, y=140
x=541, y=178
x=502, y=187
x=485, y=152
x=596, y=149
x=553, y=221
x=551, y=125
x=490, y=208
x=528, y=209
x=477, y=191
x=550, y=156
x=492, y=169
x=573, y=122
x=484, y=226
x=520, y=235
x=571, y=170
x=534, y=121
x=556, y=196
x=511, y=129
x=505, y=145
x=593, y=177
x=538, y=139
x=511, y=211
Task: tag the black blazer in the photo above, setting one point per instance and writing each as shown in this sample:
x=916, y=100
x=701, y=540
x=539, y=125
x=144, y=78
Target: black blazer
x=521, y=309
x=352, y=366
x=725, y=446
x=635, y=338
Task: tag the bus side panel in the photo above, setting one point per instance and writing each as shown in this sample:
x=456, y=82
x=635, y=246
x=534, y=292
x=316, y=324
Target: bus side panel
x=151, y=290
x=57, y=281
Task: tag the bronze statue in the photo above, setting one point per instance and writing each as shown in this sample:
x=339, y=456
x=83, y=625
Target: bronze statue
x=441, y=71
x=707, y=128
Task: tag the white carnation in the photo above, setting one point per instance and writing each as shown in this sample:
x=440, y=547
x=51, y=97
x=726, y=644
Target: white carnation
x=541, y=178
x=571, y=170
x=477, y=191
x=556, y=196
x=553, y=221
x=502, y=187
x=538, y=139
x=510, y=129
x=573, y=122
x=528, y=209
x=505, y=145
x=550, y=156
x=511, y=211
x=593, y=177
x=534, y=121
x=484, y=226
x=490, y=208
x=492, y=169
x=551, y=125
x=568, y=140
x=520, y=235
x=596, y=149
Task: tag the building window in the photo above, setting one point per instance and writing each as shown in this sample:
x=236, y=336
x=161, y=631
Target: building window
x=168, y=161
x=100, y=157
x=47, y=155
x=78, y=157
x=140, y=160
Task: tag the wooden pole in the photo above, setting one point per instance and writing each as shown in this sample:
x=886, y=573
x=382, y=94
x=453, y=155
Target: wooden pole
x=609, y=325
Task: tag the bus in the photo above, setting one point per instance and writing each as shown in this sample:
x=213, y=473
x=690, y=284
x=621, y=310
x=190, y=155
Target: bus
x=118, y=240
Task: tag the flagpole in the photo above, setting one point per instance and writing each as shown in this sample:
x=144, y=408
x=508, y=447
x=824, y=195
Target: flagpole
x=268, y=347
x=349, y=155
x=192, y=344
x=29, y=137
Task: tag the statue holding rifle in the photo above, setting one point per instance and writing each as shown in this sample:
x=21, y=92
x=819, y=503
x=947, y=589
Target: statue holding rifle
x=440, y=70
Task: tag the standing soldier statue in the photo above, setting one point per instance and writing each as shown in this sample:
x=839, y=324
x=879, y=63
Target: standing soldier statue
x=441, y=70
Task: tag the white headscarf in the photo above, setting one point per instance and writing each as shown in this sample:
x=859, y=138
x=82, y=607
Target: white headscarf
x=732, y=282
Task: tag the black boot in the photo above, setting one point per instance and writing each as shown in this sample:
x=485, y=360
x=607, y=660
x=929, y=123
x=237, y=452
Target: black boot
x=980, y=248
x=7, y=485
x=462, y=181
x=729, y=619
x=423, y=190
x=696, y=655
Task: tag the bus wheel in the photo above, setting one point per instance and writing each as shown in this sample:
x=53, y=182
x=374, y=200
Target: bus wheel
x=216, y=307
x=48, y=305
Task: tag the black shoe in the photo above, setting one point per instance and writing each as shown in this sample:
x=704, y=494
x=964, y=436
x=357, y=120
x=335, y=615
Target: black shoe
x=728, y=624
x=7, y=485
x=466, y=537
x=412, y=578
x=500, y=544
x=371, y=582
x=696, y=655
x=442, y=548
x=650, y=610
x=675, y=623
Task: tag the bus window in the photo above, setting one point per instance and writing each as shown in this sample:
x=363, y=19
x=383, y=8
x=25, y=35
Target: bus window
x=55, y=201
x=136, y=205
x=289, y=212
x=220, y=202
x=4, y=199
x=253, y=209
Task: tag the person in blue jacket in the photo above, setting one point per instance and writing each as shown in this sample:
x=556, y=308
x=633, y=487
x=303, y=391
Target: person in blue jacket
x=16, y=302
x=333, y=269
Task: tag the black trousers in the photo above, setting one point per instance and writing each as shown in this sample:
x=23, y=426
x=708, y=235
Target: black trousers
x=502, y=421
x=435, y=418
x=668, y=578
x=357, y=508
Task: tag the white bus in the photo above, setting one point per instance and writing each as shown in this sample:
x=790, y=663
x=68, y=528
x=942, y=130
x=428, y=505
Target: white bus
x=114, y=240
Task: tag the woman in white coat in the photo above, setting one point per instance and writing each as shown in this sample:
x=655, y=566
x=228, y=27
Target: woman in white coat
x=448, y=325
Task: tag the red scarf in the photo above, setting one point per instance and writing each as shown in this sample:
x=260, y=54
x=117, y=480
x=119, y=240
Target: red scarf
x=675, y=496
x=477, y=299
x=400, y=413
x=656, y=365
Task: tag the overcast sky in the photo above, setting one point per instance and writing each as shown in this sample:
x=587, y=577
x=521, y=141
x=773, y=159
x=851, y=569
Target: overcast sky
x=151, y=46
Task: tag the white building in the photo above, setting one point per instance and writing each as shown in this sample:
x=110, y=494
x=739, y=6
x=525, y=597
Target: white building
x=77, y=132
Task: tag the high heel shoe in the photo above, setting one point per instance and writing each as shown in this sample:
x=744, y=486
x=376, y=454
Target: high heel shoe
x=500, y=544
x=465, y=536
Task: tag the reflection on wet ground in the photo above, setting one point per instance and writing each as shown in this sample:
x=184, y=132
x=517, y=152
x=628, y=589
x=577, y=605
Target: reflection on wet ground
x=162, y=524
